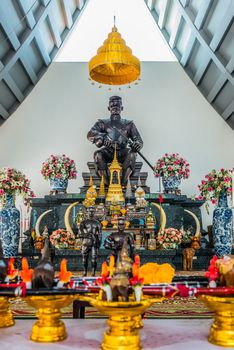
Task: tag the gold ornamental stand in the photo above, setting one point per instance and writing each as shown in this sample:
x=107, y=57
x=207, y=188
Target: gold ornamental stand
x=6, y=316
x=49, y=327
x=123, y=332
x=222, y=329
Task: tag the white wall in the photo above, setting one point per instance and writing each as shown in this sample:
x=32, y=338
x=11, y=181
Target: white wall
x=169, y=111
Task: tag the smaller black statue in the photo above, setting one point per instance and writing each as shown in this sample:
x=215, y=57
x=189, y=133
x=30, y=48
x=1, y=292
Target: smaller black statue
x=116, y=240
x=91, y=234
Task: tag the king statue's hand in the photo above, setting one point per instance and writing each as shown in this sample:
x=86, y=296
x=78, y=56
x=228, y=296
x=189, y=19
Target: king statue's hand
x=136, y=146
x=107, y=142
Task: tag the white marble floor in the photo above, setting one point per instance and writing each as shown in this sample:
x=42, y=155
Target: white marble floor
x=87, y=334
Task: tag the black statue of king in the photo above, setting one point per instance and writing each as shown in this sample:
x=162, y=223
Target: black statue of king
x=106, y=133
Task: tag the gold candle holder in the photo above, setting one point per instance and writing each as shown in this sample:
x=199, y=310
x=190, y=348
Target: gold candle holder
x=222, y=329
x=124, y=322
x=6, y=316
x=49, y=327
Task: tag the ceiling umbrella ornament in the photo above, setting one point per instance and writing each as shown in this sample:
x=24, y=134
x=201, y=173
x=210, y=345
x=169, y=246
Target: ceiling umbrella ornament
x=114, y=63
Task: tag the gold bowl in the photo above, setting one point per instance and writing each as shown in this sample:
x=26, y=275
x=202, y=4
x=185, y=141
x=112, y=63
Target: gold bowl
x=222, y=329
x=124, y=322
x=6, y=316
x=49, y=327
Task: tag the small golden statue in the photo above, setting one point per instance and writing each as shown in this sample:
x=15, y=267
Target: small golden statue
x=101, y=192
x=79, y=217
x=91, y=195
x=104, y=224
x=114, y=206
x=140, y=197
x=150, y=220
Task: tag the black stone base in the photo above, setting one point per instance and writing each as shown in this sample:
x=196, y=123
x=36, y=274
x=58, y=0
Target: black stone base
x=171, y=256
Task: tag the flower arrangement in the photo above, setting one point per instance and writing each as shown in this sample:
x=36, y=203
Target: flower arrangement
x=62, y=239
x=215, y=182
x=171, y=165
x=59, y=167
x=169, y=235
x=186, y=235
x=14, y=182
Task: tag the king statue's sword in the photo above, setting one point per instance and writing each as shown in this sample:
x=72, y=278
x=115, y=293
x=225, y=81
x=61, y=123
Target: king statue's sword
x=140, y=154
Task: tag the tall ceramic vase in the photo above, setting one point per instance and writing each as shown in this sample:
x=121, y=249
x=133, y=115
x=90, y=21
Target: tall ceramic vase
x=10, y=228
x=222, y=227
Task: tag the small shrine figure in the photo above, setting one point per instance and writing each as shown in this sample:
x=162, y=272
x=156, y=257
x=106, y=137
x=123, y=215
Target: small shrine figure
x=150, y=220
x=100, y=211
x=80, y=216
x=128, y=193
x=91, y=195
x=43, y=274
x=115, y=189
x=130, y=210
x=115, y=207
x=115, y=240
x=91, y=234
x=120, y=281
x=140, y=197
x=102, y=193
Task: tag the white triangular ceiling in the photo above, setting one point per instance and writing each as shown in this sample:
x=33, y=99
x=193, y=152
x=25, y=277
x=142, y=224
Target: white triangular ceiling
x=199, y=32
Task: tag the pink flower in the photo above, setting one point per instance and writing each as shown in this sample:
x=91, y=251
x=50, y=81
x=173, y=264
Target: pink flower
x=214, y=201
x=2, y=192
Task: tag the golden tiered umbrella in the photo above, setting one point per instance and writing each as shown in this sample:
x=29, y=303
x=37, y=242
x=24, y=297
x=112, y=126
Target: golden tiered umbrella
x=114, y=63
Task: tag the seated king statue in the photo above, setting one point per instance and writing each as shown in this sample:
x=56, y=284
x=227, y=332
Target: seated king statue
x=106, y=133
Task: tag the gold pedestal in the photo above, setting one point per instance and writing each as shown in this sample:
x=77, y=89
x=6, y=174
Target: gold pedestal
x=6, y=316
x=138, y=322
x=123, y=322
x=222, y=329
x=49, y=327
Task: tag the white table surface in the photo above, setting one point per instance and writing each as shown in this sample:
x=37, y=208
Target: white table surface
x=182, y=334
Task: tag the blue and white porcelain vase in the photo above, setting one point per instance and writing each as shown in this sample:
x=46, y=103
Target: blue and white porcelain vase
x=59, y=185
x=10, y=228
x=171, y=183
x=222, y=227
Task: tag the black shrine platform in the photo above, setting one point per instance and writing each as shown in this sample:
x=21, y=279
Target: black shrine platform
x=173, y=205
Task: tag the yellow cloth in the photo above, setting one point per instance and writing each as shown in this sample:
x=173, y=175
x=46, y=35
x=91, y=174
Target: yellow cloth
x=156, y=273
